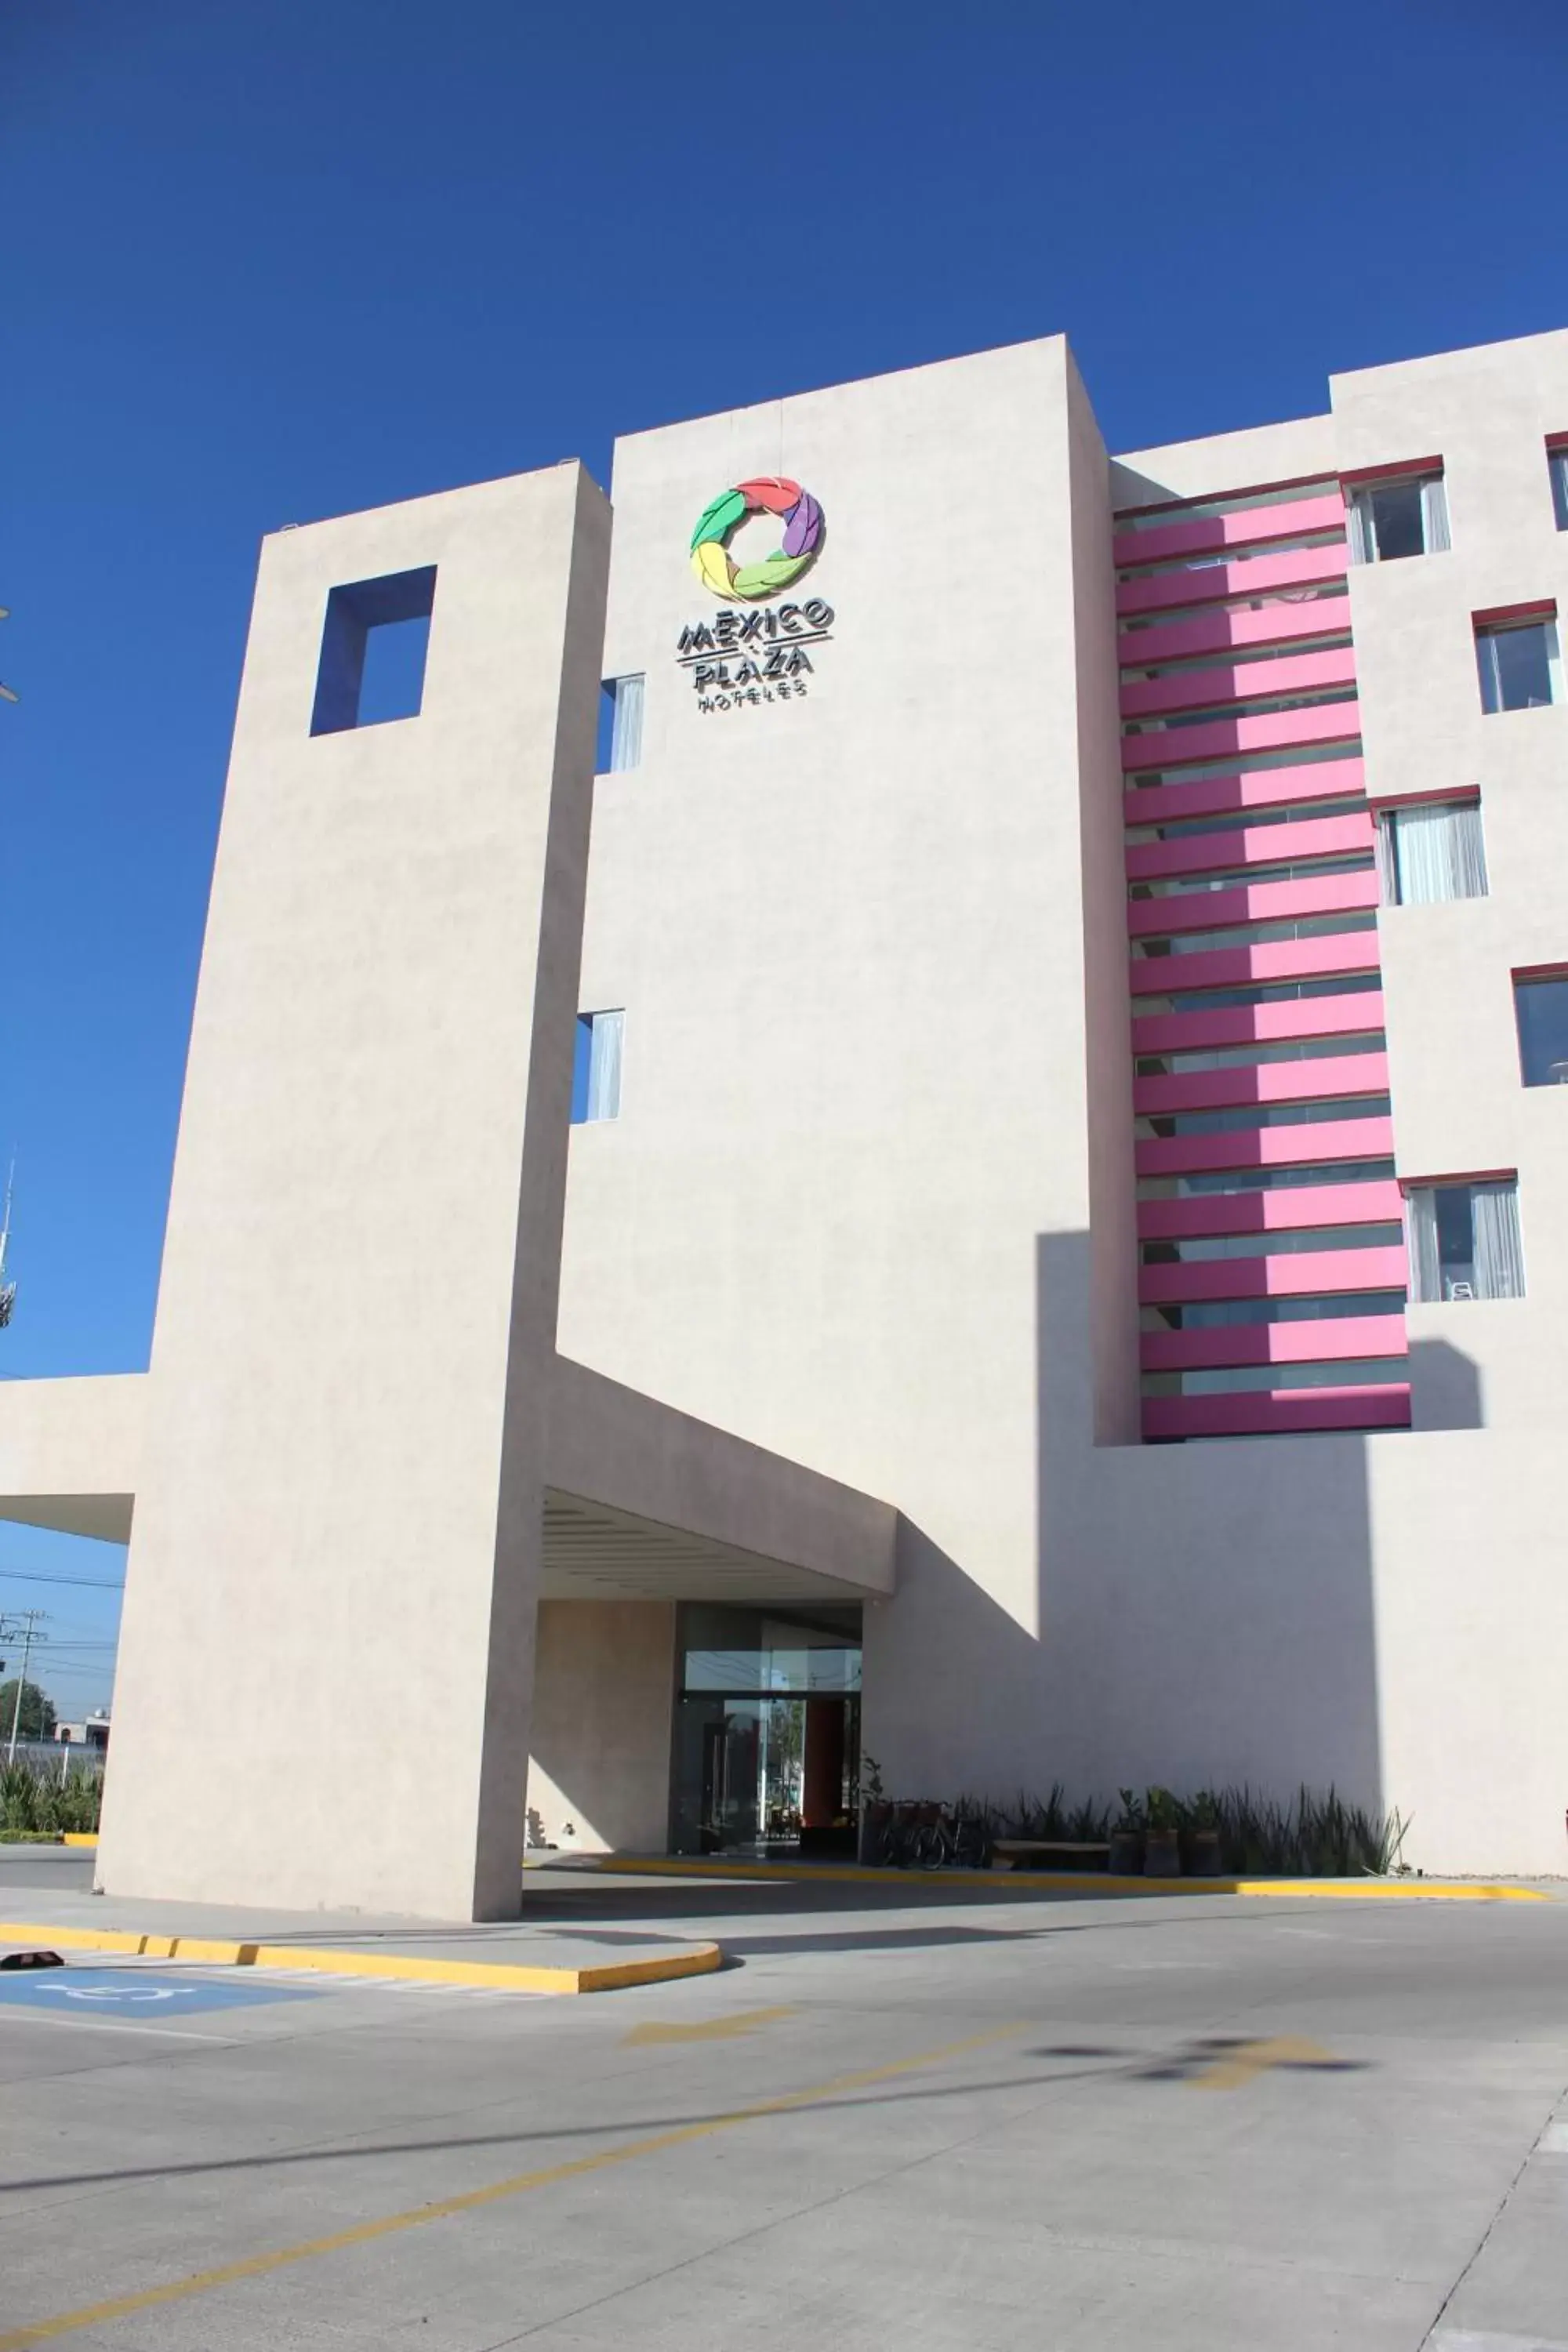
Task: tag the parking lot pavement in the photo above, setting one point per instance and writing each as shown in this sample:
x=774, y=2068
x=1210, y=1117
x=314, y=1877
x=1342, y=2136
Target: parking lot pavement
x=900, y=2119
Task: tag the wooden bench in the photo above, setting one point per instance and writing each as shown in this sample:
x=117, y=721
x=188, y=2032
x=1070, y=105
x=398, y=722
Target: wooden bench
x=1007, y=1854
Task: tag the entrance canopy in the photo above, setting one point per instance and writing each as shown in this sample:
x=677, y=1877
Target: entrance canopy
x=641, y=1502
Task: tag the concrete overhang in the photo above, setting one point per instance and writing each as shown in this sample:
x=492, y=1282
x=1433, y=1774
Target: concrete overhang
x=641, y=1502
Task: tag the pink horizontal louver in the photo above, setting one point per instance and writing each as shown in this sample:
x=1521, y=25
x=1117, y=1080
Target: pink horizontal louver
x=1223, y=738
x=1256, y=966
x=1214, y=583
x=1330, y=1078
x=1221, y=1026
x=1237, y=628
x=1259, y=845
x=1254, y=902
x=1243, y=527
x=1293, y=1208
x=1260, y=1413
x=1293, y=1274
x=1197, y=689
x=1329, y=1340
x=1145, y=804
x=1242, y=1147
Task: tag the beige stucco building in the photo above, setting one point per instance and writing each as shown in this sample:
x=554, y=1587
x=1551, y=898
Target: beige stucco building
x=982, y=1195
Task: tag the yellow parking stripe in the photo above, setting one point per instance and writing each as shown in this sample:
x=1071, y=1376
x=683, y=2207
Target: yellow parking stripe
x=65, y=2323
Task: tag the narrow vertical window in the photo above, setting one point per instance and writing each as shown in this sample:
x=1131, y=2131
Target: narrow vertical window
x=620, y=741
x=1464, y=1241
x=1557, y=463
x=597, y=1071
x=1430, y=852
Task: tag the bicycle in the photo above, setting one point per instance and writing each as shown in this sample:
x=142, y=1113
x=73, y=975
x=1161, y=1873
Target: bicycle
x=952, y=1840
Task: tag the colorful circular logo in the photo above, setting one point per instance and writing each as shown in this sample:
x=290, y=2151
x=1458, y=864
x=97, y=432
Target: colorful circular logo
x=749, y=583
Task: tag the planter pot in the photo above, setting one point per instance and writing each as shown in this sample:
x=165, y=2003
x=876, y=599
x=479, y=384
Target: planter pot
x=1126, y=1857
x=1163, y=1854
x=1205, y=1860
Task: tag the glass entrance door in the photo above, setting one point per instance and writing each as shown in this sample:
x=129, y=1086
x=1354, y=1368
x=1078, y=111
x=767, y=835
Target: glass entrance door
x=767, y=1731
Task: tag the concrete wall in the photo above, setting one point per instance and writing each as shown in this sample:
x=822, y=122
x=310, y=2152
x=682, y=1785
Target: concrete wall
x=338, y=1519
x=603, y=1692
x=70, y=1452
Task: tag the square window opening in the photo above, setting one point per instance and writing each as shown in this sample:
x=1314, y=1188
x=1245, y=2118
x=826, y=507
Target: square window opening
x=1387, y=520
x=1464, y=1241
x=597, y=1066
x=1519, y=663
x=1431, y=851
x=1541, y=1013
x=374, y=640
x=620, y=725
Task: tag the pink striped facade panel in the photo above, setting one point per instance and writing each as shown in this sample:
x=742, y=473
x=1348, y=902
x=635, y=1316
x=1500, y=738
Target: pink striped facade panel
x=1325, y=1079
x=1307, y=1146
x=1257, y=845
x=1215, y=583
x=1297, y=1273
x=1322, y=779
x=1223, y=738
x=1195, y=689
x=1332, y=1339
x=1296, y=1209
x=1262, y=1412
x=1234, y=628
x=1267, y=964
x=1246, y=526
x=1259, y=1025
x=1255, y=902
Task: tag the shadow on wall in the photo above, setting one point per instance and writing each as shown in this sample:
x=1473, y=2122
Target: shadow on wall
x=1444, y=1387
x=1190, y=1615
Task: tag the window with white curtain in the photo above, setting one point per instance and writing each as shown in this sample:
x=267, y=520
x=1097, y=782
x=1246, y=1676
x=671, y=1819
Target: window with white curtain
x=624, y=697
x=596, y=1072
x=1408, y=516
x=1464, y=1242
x=1557, y=463
x=1520, y=664
x=1430, y=851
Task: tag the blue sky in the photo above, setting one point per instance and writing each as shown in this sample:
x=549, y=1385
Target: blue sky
x=267, y=264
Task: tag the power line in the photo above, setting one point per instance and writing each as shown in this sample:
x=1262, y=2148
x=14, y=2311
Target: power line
x=82, y=1583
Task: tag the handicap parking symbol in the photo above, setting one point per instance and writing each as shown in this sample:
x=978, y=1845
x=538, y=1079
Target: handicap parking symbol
x=139, y=1992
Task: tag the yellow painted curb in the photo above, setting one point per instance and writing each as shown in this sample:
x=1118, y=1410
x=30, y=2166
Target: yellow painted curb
x=1077, y=1882
x=78, y=1837
x=687, y=1961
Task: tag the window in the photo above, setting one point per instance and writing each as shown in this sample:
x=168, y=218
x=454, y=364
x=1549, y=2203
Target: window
x=1464, y=1242
x=1557, y=465
x=620, y=735
x=1431, y=852
x=1541, y=1011
x=597, y=1071
x=373, y=643
x=1408, y=516
x=1520, y=666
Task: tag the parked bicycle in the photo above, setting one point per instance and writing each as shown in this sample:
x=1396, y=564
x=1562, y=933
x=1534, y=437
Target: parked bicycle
x=925, y=1836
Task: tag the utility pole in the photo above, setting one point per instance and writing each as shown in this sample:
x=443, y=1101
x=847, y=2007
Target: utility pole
x=28, y=1619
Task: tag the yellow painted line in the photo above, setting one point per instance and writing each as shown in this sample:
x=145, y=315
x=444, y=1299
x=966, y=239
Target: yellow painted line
x=78, y=1837
x=97, y=2315
x=1243, y=2065
x=716, y=2029
x=1077, y=1881
x=612, y=1976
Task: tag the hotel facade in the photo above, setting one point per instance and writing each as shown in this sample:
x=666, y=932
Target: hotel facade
x=982, y=1196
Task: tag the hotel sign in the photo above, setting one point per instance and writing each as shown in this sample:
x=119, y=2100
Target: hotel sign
x=745, y=657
